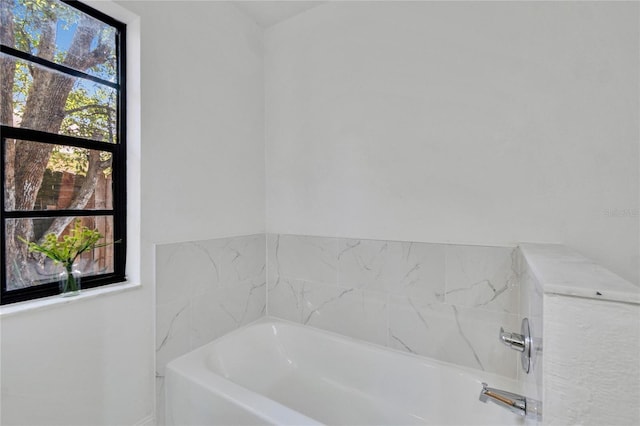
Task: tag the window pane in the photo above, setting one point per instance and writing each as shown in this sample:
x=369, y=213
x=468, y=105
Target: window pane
x=26, y=269
x=53, y=102
x=62, y=34
x=71, y=177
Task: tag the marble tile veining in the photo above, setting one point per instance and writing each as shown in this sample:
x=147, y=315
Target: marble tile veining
x=304, y=258
x=172, y=332
x=371, y=264
x=409, y=268
x=482, y=277
x=284, y=298
x=243, y=260
x=184, y=269
x=350, y=311
x=353, y=312
x=457, y=334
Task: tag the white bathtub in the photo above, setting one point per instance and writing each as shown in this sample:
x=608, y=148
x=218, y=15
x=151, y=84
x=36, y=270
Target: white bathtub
x=276, y=372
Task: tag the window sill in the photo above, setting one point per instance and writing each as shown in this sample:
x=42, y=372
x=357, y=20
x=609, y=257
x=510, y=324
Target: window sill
x=54, y=301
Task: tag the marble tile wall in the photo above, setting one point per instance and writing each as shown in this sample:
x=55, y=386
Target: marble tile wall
x=439, y=300
x=205, y=289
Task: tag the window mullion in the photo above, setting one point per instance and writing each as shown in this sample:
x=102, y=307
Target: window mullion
x=22, y=134
x=53, y=66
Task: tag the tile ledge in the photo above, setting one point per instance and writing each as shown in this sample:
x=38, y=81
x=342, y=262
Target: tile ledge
x=55, y=301
x=563, y=271
x=609, y=296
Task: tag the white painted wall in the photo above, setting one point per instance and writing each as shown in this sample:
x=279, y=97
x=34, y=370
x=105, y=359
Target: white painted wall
x=203, y=102
x=464, y=122
x=88, y=362
x=91, y=362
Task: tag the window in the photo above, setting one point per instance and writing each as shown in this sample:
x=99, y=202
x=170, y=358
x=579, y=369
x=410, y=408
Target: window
x=62, y=113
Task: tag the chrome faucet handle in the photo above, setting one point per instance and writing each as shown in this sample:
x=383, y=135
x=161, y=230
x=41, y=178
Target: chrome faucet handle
x=513, y=340
x=519, y=342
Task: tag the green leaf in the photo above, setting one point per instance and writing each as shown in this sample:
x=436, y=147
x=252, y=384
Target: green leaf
x=66, y=251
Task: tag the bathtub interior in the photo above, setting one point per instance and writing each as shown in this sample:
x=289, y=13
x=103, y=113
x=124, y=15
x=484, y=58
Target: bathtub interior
x=330, y=391
x=332, y=379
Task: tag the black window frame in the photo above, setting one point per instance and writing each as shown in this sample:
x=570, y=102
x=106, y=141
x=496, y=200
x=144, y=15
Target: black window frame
x=119, y=170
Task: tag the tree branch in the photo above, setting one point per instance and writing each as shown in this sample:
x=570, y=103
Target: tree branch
x=47, y=44
x=79, y=55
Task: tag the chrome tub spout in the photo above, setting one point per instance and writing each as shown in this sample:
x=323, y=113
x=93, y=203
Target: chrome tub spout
x=517, y=404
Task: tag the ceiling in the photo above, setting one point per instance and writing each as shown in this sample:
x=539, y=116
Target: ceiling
x=266, y=13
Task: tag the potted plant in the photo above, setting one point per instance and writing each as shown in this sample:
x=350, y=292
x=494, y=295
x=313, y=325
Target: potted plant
x=66, y=251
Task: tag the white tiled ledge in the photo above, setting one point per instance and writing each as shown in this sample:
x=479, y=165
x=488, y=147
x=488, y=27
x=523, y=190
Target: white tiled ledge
x=55, y=301
x=563, y=271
